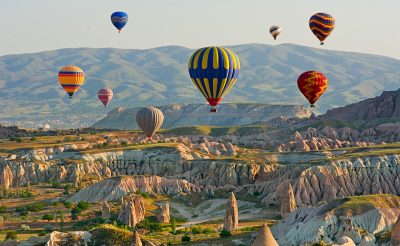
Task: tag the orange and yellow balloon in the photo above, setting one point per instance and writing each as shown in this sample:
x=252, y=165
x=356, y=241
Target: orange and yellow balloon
x=312, y=84
x=71, y=78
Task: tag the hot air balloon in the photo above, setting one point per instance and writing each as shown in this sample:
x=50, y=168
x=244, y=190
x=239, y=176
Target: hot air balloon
x=149, y=119
x=119, y=20
x=322, y=25
x=214, y=71
x=312, y=84
x=275, y=31
x=71, y=78
x=105, y=96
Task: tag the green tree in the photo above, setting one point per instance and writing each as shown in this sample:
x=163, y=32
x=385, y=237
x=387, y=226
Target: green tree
x=173, y=225
x=83, y=205
x=67, y=204
x=3, y=209
x=225, y=234
x=196, y=230
x=186, y=238
x=11, y=235
x=61, y=220
x=48, y=217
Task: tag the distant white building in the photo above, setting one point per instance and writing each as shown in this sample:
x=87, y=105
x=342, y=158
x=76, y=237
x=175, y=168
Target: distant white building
x=45, y=127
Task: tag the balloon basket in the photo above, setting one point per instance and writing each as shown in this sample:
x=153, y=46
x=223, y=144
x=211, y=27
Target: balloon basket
x=312, y=106
x=213, y=110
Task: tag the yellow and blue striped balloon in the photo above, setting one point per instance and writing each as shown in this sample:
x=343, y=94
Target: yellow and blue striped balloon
x=71, y=78
x=214, y=71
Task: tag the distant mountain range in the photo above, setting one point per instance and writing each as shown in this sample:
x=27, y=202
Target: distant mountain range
x=229, y=114
x=30, y=91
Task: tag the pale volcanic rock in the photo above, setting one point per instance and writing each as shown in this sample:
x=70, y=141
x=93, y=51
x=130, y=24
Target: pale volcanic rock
x=105, y=210
x=136, y=239
x=395, y=239
x=265, y=237
x=164, y=216
x=140, y=210
x=231, y=220
x=6, y=177
x=114, y=188
x=344, y=241
x=286, y=197
x=312, y=224
x=127, y=215
x=63, y=239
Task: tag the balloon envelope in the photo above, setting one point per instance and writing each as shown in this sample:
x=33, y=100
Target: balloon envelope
x=275, y=31
x=119, y=19
x=214, y=71
x=322, y=25
x=71, y=78
x=149, y=119
x=312, y=84
x=105, y=95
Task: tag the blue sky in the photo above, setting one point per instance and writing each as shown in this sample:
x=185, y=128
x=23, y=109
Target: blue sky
x=367, y=26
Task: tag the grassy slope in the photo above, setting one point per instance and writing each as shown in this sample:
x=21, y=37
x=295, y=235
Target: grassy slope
x=361, y=204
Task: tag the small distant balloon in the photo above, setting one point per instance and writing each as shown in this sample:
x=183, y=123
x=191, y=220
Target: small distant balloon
x=149, y=119
x=275, y=31
x=322, y=25
x=71, y=78
x=312, y=84
x=119, y=20
x=105, y=95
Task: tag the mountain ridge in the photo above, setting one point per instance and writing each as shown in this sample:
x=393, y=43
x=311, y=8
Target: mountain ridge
x=158, y=76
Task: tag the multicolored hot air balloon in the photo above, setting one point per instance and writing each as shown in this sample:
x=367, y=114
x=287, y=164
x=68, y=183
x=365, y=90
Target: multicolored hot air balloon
x=149, y=119
x=105, y=96
x=275, y=31
x=119, y=20
x=214, y=71
x=312, y=84
x=322, y=25
x=71, y=78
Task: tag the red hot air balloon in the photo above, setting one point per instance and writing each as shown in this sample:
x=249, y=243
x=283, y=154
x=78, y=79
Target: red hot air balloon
x=312, y=84
x=105, y=96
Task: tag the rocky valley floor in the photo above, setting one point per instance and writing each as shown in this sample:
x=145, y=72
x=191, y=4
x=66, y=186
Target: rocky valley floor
x=114, y=188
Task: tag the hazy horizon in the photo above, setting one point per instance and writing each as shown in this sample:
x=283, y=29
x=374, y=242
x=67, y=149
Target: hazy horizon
x=45, y=25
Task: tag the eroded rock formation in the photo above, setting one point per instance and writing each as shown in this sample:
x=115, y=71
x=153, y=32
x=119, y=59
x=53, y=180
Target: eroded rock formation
x=128, y=215
x=136, y=239
x=395, y=239
x=265, y=237
x=231, y=220
x=105, y=210
x=164, y=216
x=346, y=217
x=286, y=197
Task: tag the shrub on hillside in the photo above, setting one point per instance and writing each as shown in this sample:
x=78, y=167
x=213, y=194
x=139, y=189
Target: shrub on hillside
x=196, y=230
x=48, y=217
x=11, y=235
x=186, y=238
x=225, y=234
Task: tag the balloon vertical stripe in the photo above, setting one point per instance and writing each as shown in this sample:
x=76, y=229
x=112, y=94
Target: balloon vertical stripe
x=214, y=70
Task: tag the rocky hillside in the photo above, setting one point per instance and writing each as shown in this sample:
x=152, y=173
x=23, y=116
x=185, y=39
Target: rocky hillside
x=314, y=176
x=114, y=188
x=385, y=106
x=360, y=219
x=159, y=76
x=229, y=114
